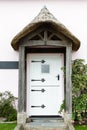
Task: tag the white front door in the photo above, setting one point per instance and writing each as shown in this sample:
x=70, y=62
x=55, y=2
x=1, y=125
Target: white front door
x=45, y=89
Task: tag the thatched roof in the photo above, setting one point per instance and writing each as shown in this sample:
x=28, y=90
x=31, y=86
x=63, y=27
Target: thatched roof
x=45, y=17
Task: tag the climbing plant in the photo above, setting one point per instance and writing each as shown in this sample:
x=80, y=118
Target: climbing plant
x=79, y=91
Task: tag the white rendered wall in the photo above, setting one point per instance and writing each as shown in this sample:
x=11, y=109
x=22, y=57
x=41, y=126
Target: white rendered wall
x=16, y=14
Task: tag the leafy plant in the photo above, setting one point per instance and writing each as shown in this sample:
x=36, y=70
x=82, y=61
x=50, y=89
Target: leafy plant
x=62, y=107
x=79, y=90
x=7, y=109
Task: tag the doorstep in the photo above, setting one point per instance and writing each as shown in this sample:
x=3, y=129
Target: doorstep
x=46, y=124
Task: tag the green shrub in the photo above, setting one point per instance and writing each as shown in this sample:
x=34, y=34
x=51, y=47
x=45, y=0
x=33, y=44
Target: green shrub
x=79, y=90
x=7, y=109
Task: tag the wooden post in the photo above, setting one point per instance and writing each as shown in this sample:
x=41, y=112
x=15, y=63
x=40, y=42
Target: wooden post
x=22, y=87
x=68, y=80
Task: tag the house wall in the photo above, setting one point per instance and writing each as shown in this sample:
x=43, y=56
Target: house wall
x=16, y=14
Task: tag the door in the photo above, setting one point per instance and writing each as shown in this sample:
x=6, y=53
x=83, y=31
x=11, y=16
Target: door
x=45, y=84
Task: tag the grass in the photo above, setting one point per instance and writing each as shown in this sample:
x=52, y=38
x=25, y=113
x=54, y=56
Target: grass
x=80, y=127
x=7, y=126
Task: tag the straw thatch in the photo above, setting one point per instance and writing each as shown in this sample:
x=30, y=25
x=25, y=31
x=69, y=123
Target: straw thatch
x=45, y=17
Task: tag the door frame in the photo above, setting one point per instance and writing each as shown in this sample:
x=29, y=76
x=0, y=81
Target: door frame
x=23, y=50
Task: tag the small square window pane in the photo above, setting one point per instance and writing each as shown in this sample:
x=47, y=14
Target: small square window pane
x=45, y=68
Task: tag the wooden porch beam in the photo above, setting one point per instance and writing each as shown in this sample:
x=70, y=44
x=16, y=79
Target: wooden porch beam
x=68, y=80
x=57, y=43
x=22, y=88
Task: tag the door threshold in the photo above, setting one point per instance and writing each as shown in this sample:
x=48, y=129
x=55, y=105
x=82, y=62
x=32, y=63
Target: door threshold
x=46, y=117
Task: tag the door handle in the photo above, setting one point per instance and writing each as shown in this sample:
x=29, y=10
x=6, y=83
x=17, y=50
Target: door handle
x=58, y=77
x=42, y=90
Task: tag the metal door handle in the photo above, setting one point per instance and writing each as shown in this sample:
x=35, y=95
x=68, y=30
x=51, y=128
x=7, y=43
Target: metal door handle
x=58, y=77
x=42, y=90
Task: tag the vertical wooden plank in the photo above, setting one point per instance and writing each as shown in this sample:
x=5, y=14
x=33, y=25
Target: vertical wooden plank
x=21, y=89
x=68, y=80
x=64, y=76
x=45, y=37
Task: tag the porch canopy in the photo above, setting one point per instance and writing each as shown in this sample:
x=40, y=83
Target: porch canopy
x=52, y=35
x=45, y=17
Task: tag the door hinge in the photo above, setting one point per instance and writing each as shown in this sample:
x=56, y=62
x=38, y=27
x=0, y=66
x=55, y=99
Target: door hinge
x=42, y=106
x=42, y=90
x=42, y=61
x=42, y=80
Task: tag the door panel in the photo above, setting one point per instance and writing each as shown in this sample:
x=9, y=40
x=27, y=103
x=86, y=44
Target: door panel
x=45, y=84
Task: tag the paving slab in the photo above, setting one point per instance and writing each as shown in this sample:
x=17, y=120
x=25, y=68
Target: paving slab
x=46, y=124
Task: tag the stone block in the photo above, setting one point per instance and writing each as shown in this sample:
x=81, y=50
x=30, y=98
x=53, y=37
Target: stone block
x=21, y=118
